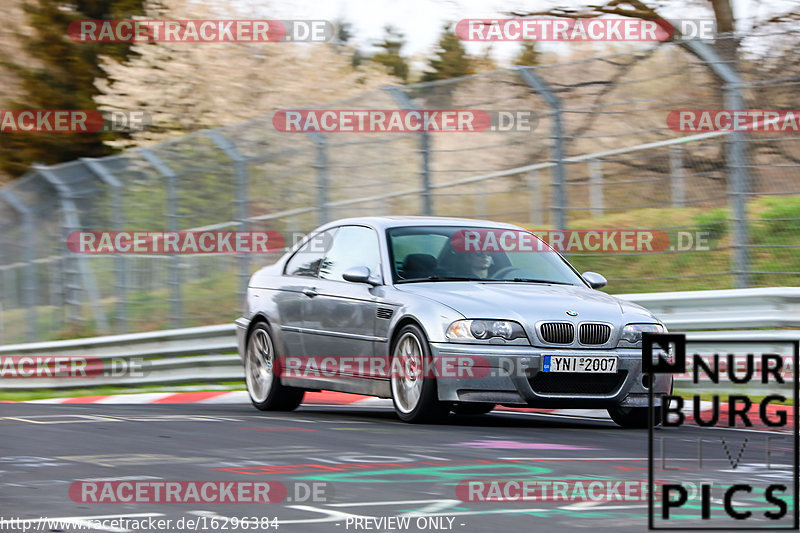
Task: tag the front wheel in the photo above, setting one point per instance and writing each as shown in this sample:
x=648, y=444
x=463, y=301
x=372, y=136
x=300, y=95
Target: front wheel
x=414, y=391
x=634, y=417
x=264, y=386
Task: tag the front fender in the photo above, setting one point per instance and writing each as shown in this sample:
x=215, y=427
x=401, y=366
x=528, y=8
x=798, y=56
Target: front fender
x=433, y=317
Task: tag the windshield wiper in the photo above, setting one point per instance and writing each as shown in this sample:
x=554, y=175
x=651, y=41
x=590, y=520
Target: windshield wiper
x=531, y=280
x=440, y=278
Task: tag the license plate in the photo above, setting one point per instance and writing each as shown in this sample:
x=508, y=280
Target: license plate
x=585, y=364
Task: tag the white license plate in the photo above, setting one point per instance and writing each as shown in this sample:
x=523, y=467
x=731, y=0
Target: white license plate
x=594, y=364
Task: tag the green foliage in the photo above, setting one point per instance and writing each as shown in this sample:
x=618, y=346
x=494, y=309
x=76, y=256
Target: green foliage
x=776, y=238
x=451, y=59
x=344, y=32
x=785, y=215
x=390, y=54
x=714, y=222
x=60, y=75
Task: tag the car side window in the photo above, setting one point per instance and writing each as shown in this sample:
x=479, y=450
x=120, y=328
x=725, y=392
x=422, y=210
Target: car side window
x=352, y=246
x=307, y=260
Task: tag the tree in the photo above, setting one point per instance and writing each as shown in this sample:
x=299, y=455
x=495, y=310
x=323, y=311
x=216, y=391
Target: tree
x=723, y=15
x=185, y=88
x=342, y=39
x=59, y=74
x=528, y=55
x=451, y=59
x=390, y=55
x=344, y=32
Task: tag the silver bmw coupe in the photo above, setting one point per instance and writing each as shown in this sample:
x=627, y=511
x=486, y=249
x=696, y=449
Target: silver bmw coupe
x=442, y=314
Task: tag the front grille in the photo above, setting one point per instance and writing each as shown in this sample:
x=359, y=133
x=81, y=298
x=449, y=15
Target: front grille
x=591, y=333
x=574, y=383
x=557, y=332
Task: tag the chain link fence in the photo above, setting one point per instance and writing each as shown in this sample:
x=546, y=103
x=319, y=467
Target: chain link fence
x=601, y=156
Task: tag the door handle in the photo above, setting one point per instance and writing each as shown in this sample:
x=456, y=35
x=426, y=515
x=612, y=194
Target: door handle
x=310, y=292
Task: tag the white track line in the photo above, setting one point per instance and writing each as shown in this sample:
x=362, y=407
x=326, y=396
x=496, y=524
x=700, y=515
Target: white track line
x=148, y=397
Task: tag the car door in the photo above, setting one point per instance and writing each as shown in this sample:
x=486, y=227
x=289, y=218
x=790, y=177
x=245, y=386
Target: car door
x=299, y=280
x=339, y=320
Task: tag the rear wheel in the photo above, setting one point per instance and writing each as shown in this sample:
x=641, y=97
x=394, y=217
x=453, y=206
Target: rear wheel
x=634, y=417
x=414, y=392
x=263, y=384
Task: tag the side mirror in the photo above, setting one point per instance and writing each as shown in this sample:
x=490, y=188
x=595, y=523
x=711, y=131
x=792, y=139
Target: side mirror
x=595, y=280
x=359, y=274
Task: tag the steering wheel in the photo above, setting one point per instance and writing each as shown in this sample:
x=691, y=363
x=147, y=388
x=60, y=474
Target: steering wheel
x=503, y=272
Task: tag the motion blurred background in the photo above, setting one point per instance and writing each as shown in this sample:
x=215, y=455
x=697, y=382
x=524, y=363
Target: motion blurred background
x=600, y=157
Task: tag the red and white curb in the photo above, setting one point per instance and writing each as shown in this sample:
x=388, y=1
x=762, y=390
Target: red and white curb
x=356, y=400
x=213, y=397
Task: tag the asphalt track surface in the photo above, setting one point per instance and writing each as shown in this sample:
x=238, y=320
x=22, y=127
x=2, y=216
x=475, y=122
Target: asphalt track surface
x=365, y=462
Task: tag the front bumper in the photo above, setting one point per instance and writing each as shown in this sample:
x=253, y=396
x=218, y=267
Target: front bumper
x=508, y=375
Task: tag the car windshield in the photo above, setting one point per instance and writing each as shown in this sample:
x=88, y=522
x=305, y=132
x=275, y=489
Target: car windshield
x=455, y=253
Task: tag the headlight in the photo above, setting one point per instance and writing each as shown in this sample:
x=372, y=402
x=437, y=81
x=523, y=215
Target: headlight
x=469, y=330
x=632, y=334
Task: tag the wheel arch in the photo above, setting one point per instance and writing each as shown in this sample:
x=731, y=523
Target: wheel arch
x=257, y=318
x=403, y=322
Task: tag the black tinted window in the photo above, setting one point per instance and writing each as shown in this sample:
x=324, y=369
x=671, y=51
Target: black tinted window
x=448, y=252
x=306, y=261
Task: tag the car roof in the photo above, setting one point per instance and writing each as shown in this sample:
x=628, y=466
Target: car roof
x=385, y=222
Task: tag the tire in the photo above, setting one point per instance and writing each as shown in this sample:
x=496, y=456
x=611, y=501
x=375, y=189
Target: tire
x=264, y=387
x=414, y=395
x=634, y=417
x=473, y=408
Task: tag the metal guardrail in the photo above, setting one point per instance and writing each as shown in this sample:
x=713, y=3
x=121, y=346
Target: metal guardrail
x=208, y=354
x=770, y=307
x=204, y=354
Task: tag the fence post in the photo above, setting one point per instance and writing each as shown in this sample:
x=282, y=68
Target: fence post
x=321, y=164
x=424, y=148
x=737, y=189
x=481, y=205
x=559, y=198
x=676, y=177
x=595, y=188
x=29, y=286
x=56, y=291
x=533, y=180
x=242, y=204
x=118, y=222
x=735, y=159
x=71, y=222
x=176, y=298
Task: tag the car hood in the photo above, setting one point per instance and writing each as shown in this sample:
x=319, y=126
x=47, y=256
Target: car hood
x=527, y=302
